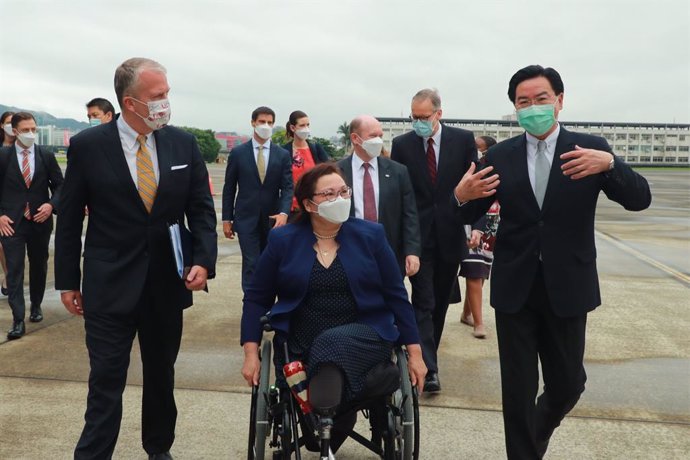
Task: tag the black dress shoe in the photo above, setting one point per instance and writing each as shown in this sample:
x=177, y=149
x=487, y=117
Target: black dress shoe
x=4, y=290
x=162, y=456
x=36, y=315
x=431, y=383
x=17, y=331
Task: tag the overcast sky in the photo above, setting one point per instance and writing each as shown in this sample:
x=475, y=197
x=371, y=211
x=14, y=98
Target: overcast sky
x=624, y=60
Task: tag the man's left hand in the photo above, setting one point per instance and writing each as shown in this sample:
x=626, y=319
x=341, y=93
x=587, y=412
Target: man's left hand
x=196, y=280
x=580, y=163
x=281, y=219
x=411, y=265
x=44, y=212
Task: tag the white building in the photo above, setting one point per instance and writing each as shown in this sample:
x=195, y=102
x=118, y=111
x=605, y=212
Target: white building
x=636, y=143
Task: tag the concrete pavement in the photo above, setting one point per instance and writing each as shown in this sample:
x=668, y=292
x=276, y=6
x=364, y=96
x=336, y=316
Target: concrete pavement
x=636, y=406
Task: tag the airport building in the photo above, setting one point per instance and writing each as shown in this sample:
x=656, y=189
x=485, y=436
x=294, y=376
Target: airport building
x=637, y=143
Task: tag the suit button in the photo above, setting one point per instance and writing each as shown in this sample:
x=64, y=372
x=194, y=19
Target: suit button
x=541, y=223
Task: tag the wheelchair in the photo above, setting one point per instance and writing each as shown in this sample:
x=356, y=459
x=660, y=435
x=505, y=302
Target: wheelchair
x=275, y=431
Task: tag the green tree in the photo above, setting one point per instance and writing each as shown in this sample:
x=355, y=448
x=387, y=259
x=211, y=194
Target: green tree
x=331, y=149
x=344, y=130
x=279, y=137
x=208, y=145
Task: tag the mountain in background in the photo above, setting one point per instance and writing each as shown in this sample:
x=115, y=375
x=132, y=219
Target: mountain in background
x=44, y=119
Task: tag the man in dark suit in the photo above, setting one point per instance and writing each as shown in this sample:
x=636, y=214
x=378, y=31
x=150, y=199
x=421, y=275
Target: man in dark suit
x=137, y=176
x=382, y=192
x=436, y=157
x=31, y=181
x=544, y=278
x=258, y=190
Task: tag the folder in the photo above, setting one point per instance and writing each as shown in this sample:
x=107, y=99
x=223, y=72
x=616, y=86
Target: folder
x=181, y=241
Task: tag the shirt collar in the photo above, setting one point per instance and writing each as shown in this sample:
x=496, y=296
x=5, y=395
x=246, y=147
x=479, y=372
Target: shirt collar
x=20, y=149
x=436, y=137
x=128, y=135
x=255, y=145
x=357, y=162
x=550, y=140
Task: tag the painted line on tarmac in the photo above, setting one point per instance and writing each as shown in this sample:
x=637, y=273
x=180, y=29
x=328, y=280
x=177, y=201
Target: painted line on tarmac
x=682, y=277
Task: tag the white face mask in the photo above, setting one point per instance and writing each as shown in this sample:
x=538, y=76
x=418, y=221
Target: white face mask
x=264, y=131
x=303, y=133
x=373, y=146
x=27, y=139
x=159, y=113
x=8, y=129
x=337, y=211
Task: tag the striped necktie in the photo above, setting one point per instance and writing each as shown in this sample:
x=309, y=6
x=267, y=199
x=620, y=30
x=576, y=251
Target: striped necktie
x=146, y=178
x=26, y=173
x=261, y=164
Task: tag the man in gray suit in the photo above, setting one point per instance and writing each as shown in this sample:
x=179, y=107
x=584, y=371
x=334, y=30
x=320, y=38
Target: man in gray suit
x=382, y=192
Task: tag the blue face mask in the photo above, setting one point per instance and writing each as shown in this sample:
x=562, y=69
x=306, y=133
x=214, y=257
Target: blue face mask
x=95, y=121
x=537, y=119
x=423, y=128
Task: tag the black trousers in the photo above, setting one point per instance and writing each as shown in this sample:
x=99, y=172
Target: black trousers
x=431, y=288
x=252, y=245
x=30, y=239
x=109, y=338
x=532, y=333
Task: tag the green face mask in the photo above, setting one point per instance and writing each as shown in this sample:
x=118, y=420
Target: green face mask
x=537, y=119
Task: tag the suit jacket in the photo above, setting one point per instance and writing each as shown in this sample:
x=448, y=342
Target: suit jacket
x=127, y=250
x=440, y=223
x=317, y=152
x=256, y=200
x=397, y=209
x=285, y=267
x=45, y=184
x=562, y=232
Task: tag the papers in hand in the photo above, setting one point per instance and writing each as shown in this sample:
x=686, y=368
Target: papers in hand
x=180, y=240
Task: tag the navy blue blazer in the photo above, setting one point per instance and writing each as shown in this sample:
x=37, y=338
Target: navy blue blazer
x=256, y=200
x=561, y=233
x=285, y=267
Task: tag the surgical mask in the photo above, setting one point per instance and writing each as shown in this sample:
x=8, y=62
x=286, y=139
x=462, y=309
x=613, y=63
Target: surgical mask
x=423, y=128
x=263, y=131
x=27, y=139
x=537, y=119
x=8, y=129
x=303, y=133
x=337, y=211
x=373, y=146
x=95, y=121
x=159, y=113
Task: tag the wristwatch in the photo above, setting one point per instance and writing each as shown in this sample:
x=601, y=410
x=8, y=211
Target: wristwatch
x=612, y=163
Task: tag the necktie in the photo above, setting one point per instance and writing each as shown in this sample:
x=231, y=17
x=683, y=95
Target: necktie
x=146, y=178
x=542, y=170
x=431, y=160
x=26, y=173
x=368, y=195
x=261, y=164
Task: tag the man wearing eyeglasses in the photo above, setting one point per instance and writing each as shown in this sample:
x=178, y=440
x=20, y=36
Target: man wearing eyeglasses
x=436, y=157
x=382, y=192
x=544, y=277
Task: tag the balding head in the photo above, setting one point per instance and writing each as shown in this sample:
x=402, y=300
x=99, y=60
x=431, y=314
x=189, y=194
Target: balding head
x=362, y=128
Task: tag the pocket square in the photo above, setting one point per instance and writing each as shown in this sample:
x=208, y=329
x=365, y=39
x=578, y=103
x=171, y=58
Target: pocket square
x=173, y=168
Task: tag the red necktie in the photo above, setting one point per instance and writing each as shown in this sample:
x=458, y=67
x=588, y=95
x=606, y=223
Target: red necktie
x=368, y=195
x=431, y=160
x=26, y=173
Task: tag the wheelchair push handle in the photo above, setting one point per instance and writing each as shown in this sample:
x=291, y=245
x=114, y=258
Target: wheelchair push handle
x=266, y=322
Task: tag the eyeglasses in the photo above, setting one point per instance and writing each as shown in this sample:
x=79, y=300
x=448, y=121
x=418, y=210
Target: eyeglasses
x=332, y=195
x=542, y=99
x=427, y=118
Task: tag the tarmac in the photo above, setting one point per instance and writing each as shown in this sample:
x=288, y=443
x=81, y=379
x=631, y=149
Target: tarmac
x=636, y=405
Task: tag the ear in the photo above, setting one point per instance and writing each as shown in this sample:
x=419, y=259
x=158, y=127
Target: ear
x=440, y=114
x=352, y=138
x=107, y=117
x=308, y=205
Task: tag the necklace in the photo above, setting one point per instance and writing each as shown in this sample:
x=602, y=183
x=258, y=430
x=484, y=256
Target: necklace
x=326, y=237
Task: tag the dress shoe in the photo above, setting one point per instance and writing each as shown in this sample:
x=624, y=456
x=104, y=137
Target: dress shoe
x=4, y=290
x=36, y=315
x=431, y=383
x=479, y=332
x=161, y=456
x=466, y=320
x=17, y=331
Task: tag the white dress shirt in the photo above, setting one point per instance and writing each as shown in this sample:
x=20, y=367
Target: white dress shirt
x=358, y=183
x=32, y=158
x=437, y=143
x=267, y=151
x=532, y=152
x=130, y=145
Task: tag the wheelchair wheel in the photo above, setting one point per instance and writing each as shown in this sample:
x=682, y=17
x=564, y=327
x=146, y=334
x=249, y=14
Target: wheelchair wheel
x=259, y=417
x=408, y=440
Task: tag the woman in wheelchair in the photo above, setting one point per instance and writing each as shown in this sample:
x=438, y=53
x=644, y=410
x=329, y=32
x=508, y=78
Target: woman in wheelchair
x=341, y=303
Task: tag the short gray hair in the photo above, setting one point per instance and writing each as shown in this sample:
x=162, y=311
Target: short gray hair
x=431, y=94
x=127, y=75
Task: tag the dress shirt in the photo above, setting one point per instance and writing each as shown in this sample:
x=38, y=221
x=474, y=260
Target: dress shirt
x=130, y=145
x=437, y=144
x=532, y=152
x=267, y=151
x=358, y=183
x=32, y=158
